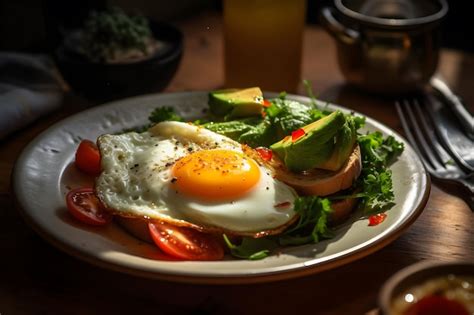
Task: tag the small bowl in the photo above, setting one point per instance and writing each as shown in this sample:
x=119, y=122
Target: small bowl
x=103, y=81
x=418, y=274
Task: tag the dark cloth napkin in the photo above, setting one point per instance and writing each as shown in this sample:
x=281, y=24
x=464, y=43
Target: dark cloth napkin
x=29, y=89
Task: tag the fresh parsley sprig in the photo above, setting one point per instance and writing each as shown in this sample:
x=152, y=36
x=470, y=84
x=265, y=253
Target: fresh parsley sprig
x=376, y=179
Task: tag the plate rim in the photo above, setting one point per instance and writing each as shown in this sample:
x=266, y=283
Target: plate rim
x=303, y=269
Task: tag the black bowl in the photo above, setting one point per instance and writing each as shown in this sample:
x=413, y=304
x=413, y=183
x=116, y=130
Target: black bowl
x=101, y=81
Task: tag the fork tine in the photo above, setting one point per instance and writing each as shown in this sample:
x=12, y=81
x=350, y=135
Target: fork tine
x=410, y=136
x=409, y=124
x=438, y=151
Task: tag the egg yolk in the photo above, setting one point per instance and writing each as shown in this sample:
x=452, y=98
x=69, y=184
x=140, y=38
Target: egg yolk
x=215, y=175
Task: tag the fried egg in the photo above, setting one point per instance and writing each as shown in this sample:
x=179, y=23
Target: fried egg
x=190, y=176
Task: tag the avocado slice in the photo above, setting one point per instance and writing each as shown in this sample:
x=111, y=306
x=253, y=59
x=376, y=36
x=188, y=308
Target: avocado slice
x=233, y=103
x=345, y=140
x=315, y=147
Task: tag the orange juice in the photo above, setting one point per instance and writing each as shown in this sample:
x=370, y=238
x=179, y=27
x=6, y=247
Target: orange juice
x=263, y=43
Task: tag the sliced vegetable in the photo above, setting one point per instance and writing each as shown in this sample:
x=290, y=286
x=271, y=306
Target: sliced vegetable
x=88, y=158
x=86, y=207
x=265, y=153
x=376, y=219
x=298, y=133
x=185, y=243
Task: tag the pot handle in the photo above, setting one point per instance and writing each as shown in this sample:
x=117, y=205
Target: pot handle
x=337, y=29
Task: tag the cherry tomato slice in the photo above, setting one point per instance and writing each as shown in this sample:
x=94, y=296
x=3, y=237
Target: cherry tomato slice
x=86, y=207
x=88, y=158
x=185, y=243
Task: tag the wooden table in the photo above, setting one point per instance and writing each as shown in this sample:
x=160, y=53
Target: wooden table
x=36, y=278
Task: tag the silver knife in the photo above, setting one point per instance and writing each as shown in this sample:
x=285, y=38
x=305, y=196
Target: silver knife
x=446, y=126
x=465, y=118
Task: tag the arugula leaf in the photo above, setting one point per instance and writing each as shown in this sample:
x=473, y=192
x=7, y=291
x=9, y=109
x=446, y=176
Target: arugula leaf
x=251, y=248
x=263, y=135
x=312, y=225
x=376, y=179
x=289, y=116
x=232, y=129
x=166, y=113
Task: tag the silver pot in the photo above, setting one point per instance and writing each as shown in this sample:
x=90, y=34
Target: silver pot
x=386, y=46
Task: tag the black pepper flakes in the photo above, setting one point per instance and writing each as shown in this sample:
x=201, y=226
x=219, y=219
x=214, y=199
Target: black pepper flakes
x=174, y=180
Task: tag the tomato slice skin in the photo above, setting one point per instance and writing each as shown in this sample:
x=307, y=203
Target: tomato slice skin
x=185, y=243
x=84, y=206
x=88, y=158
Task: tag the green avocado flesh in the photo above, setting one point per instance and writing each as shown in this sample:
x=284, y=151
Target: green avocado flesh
x=234, y=103
x=345, y=140
x=326, y=144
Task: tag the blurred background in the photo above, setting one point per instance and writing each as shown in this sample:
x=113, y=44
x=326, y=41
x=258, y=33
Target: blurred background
x=29, y=25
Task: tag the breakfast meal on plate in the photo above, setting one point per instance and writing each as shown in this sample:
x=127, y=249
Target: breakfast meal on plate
x=449, y=294
x=251, y=176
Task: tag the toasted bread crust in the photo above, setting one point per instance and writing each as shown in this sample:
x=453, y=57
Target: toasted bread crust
x=138, y=227
x=341, y=210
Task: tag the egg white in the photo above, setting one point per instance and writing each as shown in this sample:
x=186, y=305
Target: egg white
x=136, y=181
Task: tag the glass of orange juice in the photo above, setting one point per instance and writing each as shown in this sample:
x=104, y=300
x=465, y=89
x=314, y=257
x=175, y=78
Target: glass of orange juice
x=263, y=43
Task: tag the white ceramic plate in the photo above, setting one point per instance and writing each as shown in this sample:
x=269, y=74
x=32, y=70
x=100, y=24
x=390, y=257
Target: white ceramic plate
x=44, y=173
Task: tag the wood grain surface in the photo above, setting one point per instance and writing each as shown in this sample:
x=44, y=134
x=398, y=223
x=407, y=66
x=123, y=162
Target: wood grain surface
x=36, y=278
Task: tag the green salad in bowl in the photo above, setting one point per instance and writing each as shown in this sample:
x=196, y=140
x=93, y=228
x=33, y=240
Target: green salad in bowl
x=115, y=55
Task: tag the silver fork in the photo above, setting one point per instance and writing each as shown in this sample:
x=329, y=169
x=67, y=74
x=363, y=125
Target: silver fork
x=439, y=162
